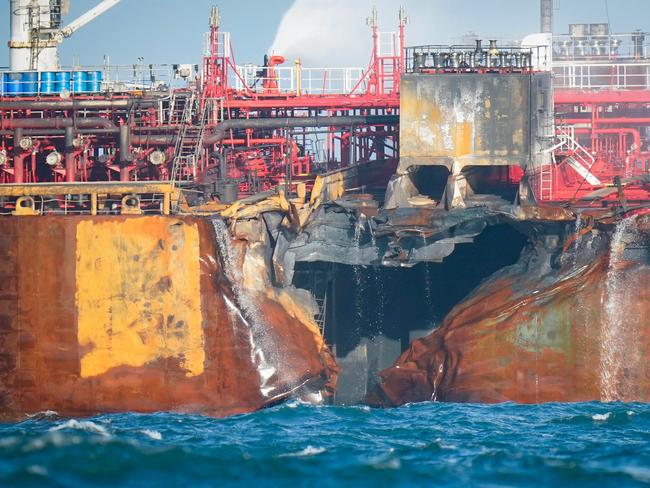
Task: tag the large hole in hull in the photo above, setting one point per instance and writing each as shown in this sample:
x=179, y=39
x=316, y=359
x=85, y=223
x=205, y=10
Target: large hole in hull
x=502, y=181
x=430, y=180
x=371, y=314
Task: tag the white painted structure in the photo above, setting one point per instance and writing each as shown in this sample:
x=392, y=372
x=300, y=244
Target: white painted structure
x=35, y=34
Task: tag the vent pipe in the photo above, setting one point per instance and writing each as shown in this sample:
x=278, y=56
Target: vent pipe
x=546, y=15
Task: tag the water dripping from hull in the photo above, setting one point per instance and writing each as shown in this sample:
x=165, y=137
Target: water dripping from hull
x=619, y=334
x=264, y=351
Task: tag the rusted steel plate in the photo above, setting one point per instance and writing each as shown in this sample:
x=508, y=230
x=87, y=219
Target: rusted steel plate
x=529, y=336
x=110, y=314
x=468, y=118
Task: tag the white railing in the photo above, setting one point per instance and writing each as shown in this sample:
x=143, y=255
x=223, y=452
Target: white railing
x=224, y=45
x=291, y=79
x=608, y=47
x=387, y=44
x=94, y=79
x=601, y=75
x=577, y=157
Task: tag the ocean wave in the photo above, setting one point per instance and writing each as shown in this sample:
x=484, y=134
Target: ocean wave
x=451, y=444
x=307, y=451
x=601, y=417
x=83, y=425
x=152, y=434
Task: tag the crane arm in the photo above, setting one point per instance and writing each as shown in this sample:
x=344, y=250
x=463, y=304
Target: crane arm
x=83, y=19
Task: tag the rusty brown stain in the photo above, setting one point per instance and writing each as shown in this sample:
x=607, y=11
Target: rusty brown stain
x=514, y=341
x=40, y=354
x=468, y=119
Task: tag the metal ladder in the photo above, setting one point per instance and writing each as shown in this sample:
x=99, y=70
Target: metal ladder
x=322, y=313
x=189, y=143
x=546, y=181
x=577, y=157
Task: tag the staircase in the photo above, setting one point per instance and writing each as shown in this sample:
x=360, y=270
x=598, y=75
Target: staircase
x=577, y=157
x=189, y=141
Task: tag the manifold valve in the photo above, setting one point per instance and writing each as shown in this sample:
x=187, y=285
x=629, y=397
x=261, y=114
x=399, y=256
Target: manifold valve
x=54, y=158
x=157, y=158
x=26, y=143
x=3, y=157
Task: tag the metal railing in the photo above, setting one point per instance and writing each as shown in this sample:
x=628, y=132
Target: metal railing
x=609, y=46
x=458, y=58
x=388, y=44
x=599, y=75
x=88, y=80
x=224, y=45
x=294, y=79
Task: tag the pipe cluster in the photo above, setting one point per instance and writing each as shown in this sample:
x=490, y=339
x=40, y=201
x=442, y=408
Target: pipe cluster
x=453, y=58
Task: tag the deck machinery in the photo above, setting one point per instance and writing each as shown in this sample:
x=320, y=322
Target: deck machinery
x=225, y=130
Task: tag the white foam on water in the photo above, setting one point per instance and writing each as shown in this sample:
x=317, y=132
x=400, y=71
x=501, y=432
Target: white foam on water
x=37, y=470
x=84, y=425
x=44, y=415
x=56, y=439
x=389, y=464
x=152, y=434
x=638, y=473
x=601, y=417
x=307, y=451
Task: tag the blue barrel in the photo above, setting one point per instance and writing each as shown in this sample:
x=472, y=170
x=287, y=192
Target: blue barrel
x=78, y=82
x=63, y=81
x=29, y=85
x=13, y=83
x=48, y=83
x=99, y=77
x=94, y=81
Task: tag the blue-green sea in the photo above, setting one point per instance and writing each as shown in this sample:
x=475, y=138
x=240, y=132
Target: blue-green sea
x=428, y=444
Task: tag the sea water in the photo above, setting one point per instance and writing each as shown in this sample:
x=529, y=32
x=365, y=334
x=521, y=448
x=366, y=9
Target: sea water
x=427, y=444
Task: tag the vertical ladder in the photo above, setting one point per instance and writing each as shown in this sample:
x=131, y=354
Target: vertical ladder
x=172, y=108
x=322, y=311
x=546, y=181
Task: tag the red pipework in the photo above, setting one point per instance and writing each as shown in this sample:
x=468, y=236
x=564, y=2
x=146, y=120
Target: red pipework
x=270, y=81
x=19, y=167
x=608, y=120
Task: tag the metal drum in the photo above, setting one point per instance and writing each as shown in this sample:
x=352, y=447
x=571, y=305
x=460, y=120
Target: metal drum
x=29, y=83
x=63, y=81
x=94, y=81
x=14, y=83
x=48, y=83
x=78, y=82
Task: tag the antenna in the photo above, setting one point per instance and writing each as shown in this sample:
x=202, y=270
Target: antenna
x=215, y=17
x=372, y=20
x=403, y=19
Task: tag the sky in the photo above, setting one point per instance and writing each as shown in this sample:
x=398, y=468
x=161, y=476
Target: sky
x=320, y=32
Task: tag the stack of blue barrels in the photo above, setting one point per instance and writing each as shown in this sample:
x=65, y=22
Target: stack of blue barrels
x=34, y=83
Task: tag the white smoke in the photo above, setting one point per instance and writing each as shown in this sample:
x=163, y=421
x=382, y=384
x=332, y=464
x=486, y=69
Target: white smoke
x=335, y=33
x=324, y=33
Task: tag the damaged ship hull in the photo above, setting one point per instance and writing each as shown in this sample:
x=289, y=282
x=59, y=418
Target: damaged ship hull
x=122, y=313
x=565, y=327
